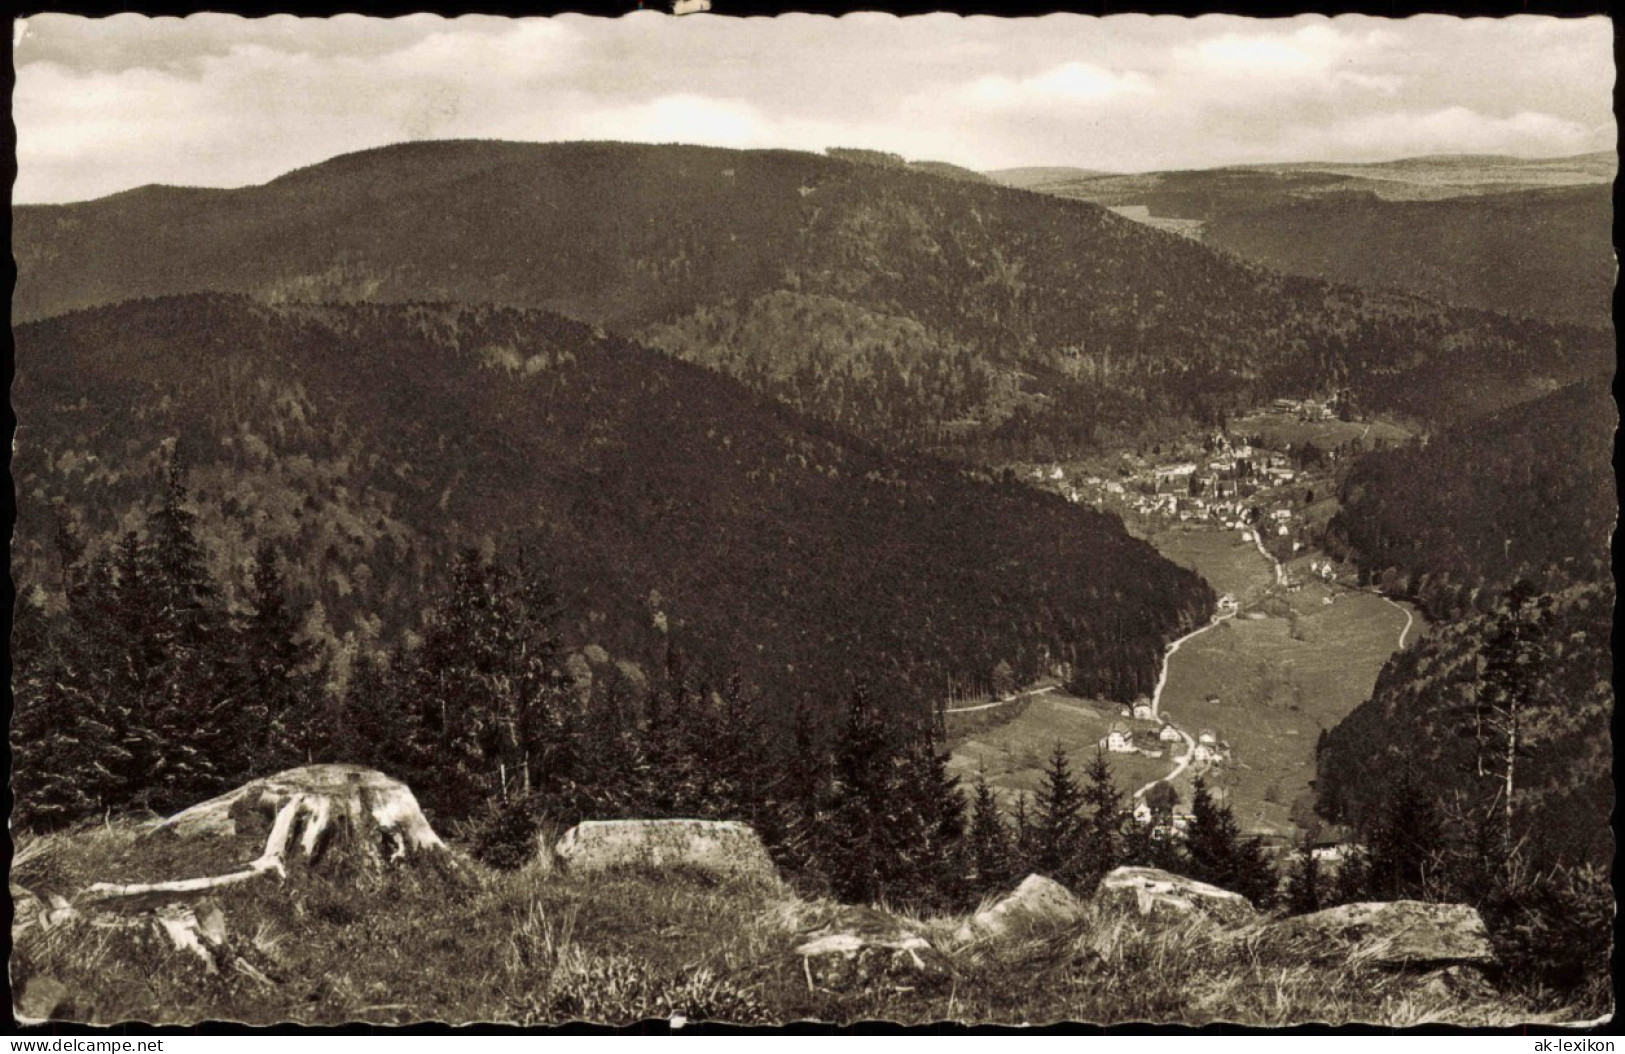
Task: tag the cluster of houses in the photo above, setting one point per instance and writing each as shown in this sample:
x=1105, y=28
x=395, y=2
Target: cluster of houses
x=1307, y=409
x=1213, y=483
x=1122, y=738
x=1323, y=570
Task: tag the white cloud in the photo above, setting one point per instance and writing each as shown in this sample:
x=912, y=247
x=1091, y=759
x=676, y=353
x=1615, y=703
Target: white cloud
x=105, y=104
x=680, y=118
x=1454, y=129
x=1072, y=83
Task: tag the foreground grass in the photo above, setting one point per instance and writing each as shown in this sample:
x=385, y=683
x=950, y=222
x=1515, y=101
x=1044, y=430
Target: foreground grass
x=531, y=948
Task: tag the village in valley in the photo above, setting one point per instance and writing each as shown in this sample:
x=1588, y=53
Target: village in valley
x=1246, y=504
x=1257, y=483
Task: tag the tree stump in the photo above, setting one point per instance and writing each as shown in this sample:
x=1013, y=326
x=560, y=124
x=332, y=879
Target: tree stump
x=339, y=818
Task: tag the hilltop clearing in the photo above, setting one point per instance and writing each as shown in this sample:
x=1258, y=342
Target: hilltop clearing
x=530, y=947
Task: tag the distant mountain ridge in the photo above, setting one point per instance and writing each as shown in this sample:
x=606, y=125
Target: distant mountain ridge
x=908, y=308
x=1528, y=237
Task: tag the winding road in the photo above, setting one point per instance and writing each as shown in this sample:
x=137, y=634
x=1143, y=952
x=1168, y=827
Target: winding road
x=1162, y=678
x=1182, y=762
x=1410, y=619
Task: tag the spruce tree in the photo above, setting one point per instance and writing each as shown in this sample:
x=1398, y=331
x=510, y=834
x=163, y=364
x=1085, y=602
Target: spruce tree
x=184, y=677
x=1024, y=853
x=1303, y=891
x=927, y=838
x=1062, y=834
x=990, y=850
x=280, y=717
x=1403, y=839
x=486, y=699
x=1218, y=854
x=854, y=842
x=66, y=752
x=1109, y=821
x=799, y=794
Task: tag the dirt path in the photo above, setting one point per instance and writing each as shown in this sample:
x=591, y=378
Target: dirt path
x=1162, y=678
x=1181, y=763
x=1410, y=620
x=1000, y=702
x=1258, y=540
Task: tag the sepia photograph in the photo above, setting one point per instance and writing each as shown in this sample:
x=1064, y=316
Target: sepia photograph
x=714, y=520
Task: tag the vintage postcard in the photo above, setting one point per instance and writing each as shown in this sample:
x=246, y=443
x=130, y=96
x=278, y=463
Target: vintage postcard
x=706, y=519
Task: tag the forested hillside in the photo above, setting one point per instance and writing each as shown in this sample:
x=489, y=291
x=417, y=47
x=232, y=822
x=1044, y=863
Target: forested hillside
x=1542, y=253
x=1502, y=531
x=1526, y=493
x=913, y=309
x=1499, y=234
x=370, y=444
x=1428, y=731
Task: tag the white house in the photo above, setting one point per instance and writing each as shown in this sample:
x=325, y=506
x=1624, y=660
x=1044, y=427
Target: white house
x=1120, y=740
x=1142, y=811
x=1169, y=734
x=1207, y=736
x=1142, y=710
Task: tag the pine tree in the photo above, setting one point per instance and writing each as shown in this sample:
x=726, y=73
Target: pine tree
x=798, y=796
x=855, y=835
x=1218, y=854
x=67, y=754
x=280, y=716
x=1303, y=891
x=1024, y=853
x=1515, y=656
x=990, y=849
x=184, y=677
x=926, y=840
x=485, y=696
x=1062, y=835
x=1403, y=840
x=1108, y=823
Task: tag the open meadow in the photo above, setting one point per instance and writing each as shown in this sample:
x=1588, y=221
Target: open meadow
x=1229, y=564
x=1268, y=686
x=1278, y=429
x=1010, y=756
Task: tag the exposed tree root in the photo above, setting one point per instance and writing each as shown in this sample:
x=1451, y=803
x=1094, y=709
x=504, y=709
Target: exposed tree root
x=343, y=816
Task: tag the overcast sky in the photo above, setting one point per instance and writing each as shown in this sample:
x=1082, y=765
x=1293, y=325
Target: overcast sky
x=102, y=105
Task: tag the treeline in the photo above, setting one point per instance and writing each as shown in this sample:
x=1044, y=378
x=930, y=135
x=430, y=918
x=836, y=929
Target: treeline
x=148, y=691
x=930, y=311
x=369, y=444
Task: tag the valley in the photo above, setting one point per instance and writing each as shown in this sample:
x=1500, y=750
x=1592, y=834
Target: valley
x=840, y=516
x=1293, y=649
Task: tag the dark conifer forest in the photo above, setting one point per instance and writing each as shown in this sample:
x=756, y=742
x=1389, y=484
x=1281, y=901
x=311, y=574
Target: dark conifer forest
x=336, y=462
